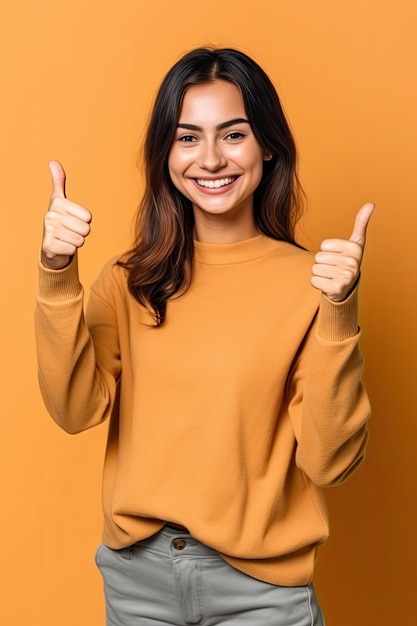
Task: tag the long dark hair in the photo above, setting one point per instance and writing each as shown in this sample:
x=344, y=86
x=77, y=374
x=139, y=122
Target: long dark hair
x=159, y=266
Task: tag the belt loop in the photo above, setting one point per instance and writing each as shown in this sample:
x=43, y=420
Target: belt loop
x=127, y=553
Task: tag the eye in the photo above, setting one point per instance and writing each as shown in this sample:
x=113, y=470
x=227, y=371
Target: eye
x=187, y=138
x=235, y=135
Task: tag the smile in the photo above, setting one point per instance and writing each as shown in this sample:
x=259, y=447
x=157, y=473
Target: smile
x=215, y=184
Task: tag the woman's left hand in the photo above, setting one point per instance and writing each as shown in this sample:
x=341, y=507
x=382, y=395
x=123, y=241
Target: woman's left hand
x=338, y=263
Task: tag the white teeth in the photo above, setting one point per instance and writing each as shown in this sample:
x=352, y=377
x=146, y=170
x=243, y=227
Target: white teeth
x=214, y=184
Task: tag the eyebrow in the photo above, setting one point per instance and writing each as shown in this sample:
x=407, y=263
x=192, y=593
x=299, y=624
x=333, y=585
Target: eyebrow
x=237, y=120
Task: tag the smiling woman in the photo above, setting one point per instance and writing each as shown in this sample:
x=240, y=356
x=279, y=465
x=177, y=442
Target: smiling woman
x=205, y=347
x=203, y=93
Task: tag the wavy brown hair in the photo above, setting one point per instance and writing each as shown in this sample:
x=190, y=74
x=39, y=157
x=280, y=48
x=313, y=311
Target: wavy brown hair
x=160, y=264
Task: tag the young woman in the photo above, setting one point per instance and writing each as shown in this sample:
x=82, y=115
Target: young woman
x=232, y=386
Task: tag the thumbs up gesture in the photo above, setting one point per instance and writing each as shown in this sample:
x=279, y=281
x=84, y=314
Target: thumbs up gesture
x=66, y=224
x=337, y=265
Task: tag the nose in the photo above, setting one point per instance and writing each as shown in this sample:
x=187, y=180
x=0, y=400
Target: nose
x=211, y=156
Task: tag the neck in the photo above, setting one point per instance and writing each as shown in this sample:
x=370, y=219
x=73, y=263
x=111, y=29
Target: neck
x=223, y=231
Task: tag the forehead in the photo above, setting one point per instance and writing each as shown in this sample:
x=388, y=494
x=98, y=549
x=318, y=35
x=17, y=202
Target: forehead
x=212, y=103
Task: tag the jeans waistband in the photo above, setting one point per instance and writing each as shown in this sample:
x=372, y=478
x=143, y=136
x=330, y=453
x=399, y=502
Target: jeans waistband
x=171, y=542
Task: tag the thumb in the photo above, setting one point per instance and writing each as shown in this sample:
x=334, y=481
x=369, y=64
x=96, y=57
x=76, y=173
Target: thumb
x=361, y=222
x=58, y=179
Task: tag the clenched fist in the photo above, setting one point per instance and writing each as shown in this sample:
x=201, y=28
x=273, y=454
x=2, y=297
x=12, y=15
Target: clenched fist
x=66, y=224
x=338, y=263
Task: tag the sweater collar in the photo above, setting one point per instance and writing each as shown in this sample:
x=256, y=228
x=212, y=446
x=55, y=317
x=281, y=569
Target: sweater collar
x=239, y=252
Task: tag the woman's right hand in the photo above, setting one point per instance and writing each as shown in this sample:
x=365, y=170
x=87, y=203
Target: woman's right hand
x=66, y=224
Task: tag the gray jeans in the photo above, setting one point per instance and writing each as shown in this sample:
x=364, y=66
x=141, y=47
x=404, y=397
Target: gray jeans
x=171, y=579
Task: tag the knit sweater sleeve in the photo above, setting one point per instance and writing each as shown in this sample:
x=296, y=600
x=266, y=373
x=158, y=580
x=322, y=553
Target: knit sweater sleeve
x=329, y=407
x=77, y=378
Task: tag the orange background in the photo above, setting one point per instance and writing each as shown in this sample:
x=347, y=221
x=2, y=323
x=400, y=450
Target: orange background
x=77, y=80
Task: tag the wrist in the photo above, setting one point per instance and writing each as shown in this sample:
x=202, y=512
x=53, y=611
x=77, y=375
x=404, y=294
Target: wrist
x=56, y=262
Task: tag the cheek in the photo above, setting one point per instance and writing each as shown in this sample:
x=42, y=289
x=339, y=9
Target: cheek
x=257, y=167
x=249, y=157
x=176, y=173
x=178, y=161
x=177, y=165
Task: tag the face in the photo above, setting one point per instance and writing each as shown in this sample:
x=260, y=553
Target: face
x=215, y=160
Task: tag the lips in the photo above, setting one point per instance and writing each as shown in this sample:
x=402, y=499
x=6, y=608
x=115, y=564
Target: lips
x=215, y=186
x=216, y=183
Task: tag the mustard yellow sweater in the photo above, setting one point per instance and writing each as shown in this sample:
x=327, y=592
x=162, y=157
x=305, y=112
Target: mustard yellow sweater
x=230, y=418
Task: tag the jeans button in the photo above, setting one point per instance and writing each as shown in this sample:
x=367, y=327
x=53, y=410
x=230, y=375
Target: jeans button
x=179, y=544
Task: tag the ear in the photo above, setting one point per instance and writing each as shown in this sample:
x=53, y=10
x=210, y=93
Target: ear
x=267, y=156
